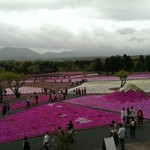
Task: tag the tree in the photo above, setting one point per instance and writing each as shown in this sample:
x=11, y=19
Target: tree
x=15, y=81
x=147, y=63
x=122, y=74
x=113, y=64
x=34, y=69
x=3, y=85
x=141, y=64
x=96, y=66
x=127, y=63
x=107, y=66
x=2, y=70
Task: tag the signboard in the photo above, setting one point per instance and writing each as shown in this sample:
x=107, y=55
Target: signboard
x=108, y=144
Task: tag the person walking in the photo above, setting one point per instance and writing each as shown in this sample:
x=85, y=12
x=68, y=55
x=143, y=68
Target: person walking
x=36, y=98
x=46, y=141
x=8, y=107
x=113, y=133
x=140, y=117
x=115, y=129
x=123, y=116
x=128, y=116
x=4, y=110
x=132, y=127
x=70, y=125
x=26, y=144
x=70, y=128
x=121, y=135
x=28, y=102
x=132, y=112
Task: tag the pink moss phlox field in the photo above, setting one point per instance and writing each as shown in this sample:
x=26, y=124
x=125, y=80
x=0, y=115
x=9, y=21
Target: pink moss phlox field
x=140, y=75
x=122, y=96
x=22, y=104
x=116, y=101
x=36, y=121
x=93, y=77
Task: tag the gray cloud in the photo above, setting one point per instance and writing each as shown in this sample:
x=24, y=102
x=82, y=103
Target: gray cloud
x=125, y=9
x=50, y=38
x=44, y=37
x=137, y=39
x=116, y=35
x=106, y=9
x=41, y=4
x=115, y=10
x=126, y=31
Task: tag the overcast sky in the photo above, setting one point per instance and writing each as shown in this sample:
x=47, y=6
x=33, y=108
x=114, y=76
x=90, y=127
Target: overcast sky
x=70, y=25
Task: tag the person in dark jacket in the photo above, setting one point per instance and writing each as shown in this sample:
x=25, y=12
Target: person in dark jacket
x=4, y=110
x=132, y=127
x=26, y=144
x=70, y=128
x=140, y=117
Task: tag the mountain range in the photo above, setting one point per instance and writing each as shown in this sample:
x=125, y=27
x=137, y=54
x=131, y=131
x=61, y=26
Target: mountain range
x=11, y=53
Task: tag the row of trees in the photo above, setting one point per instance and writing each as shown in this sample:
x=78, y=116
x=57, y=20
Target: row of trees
x=109, y=65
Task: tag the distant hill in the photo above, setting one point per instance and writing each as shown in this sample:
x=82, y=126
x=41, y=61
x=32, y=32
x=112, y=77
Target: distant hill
x=9, y=53
x=78, y=53
x=51, y=55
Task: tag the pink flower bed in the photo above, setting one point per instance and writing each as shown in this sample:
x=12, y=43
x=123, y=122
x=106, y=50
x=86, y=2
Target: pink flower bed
x=77, y=76
x=114, y=78
x=123, y=97
x=116, y=101
x=38, y=120
x=140, y=75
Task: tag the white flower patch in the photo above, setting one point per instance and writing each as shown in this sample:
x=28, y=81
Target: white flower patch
x=106, y=86
x=83, y=120
x=62, y=115
x=50, y=104
x=128, y=87
x=25, y=90
x=59, y=106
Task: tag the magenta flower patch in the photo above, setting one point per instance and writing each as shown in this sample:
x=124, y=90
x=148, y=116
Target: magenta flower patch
x=116, y=101
x=36, y=121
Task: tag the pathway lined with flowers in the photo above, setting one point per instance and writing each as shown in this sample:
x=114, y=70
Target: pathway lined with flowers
x=22, y=104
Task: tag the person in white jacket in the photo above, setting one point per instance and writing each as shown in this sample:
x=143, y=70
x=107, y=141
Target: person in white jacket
x=123, y=116
x=121, y=136
x=46, y=141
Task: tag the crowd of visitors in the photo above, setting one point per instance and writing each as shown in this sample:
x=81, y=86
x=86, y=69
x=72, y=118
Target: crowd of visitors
x=80, y=91
x=130, y=113
x=32, y=97
x=57, y=97
x=62, y=138
x=129, y=121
